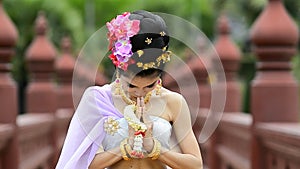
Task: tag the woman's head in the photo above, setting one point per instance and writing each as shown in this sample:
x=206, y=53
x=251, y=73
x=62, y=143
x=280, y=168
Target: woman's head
x=139, y=43
x=139, y=86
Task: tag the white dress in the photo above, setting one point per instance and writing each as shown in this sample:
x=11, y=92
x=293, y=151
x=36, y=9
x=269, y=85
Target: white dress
x=161, y=131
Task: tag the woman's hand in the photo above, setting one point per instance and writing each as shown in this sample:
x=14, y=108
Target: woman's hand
x=141, y=110
x=141, y=114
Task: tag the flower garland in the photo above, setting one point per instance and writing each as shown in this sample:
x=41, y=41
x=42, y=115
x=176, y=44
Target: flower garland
x=139, y=128
x=120, y=30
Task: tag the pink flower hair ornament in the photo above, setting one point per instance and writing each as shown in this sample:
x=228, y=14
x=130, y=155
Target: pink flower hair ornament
x=120, y=29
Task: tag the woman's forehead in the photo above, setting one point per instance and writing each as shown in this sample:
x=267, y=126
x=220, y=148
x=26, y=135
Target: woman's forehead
x=141, y=81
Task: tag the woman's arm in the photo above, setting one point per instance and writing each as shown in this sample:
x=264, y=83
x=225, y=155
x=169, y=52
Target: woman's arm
x=185, y=159
x=191, y=155
x=106, y=159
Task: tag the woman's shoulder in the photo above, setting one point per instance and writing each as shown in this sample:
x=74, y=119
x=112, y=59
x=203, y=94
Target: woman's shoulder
x=97, y=92
x=172, y=97
x=105, y=87
x=174, y=101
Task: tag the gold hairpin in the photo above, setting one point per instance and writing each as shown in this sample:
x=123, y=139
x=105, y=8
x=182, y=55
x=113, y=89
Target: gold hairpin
x=148, y=41
x=163, y=58
x=145, y=66
x=140, y=52
x=162, y=33
x=164, y=48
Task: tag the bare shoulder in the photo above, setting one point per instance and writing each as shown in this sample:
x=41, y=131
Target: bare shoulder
x=171, y=96
x=174, y=101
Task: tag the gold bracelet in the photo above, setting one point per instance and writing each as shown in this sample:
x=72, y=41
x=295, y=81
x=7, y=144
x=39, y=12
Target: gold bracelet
x=128, y=150
x=122, y=148
x=155, y=153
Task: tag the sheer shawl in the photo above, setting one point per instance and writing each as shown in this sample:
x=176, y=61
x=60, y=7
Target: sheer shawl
x=86, y=132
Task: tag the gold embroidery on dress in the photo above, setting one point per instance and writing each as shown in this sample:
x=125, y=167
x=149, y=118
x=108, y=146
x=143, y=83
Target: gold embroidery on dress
x=111, y=126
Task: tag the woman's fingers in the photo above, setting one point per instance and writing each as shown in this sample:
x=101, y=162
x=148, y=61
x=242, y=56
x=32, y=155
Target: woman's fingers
x=138, y=108
x=130, y=135
x=142, y=103
x=138, y=103
x=130, y=131
x=149, y=129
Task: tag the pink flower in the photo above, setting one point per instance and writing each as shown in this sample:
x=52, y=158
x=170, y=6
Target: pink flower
x=135, y=28
x=122, y=27
x=122, y=50
x=120, y=30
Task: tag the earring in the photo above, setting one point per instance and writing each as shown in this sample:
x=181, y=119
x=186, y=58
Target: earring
x=117, y=84
x=158, y=87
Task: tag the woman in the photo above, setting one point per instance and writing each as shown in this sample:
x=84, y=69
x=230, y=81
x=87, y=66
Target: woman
x=129, y=123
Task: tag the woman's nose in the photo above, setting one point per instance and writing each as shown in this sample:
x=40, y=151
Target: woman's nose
x=139, y=93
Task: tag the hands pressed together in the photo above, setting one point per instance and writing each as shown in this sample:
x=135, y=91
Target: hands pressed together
x=140, y=143
x=141, y=114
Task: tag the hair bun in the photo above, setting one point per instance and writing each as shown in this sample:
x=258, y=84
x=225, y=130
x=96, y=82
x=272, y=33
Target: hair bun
x=149, y=22
x=138, y=41
x=152, y=27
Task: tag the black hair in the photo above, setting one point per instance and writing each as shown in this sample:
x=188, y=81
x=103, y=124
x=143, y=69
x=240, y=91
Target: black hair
x=151, y=72
x=152, y=27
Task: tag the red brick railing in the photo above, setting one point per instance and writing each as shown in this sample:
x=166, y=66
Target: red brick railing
x=6, y=134
x=233, y=140
x=35, y=135
x=230, y=145
x=280, y=144
x=37, y=149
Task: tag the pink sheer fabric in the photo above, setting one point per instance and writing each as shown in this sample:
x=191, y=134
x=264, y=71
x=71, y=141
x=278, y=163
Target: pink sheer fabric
x=86, y=131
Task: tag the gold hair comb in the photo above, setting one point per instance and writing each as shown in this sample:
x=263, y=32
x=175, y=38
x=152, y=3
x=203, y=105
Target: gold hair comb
x=165, y=57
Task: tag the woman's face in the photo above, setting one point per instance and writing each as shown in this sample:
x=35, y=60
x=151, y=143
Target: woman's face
x=139, y=86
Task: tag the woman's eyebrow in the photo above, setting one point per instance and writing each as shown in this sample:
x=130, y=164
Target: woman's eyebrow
x=151, y=84
x=131, y=85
